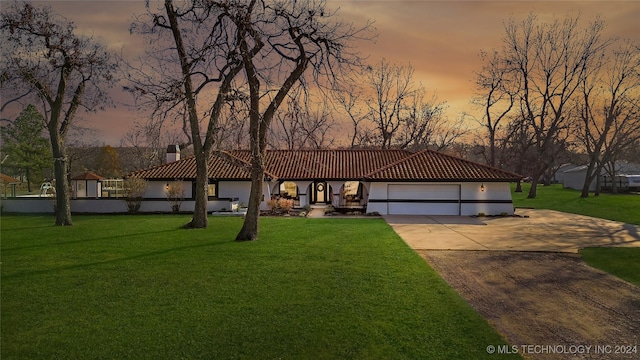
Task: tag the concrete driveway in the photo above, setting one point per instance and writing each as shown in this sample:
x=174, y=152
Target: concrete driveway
x=534, y=230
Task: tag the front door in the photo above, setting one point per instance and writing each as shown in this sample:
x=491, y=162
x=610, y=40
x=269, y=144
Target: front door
x=320, y=192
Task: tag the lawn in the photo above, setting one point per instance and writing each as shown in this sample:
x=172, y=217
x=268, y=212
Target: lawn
x=619, y=207
x=138, y=287
x=621, y=262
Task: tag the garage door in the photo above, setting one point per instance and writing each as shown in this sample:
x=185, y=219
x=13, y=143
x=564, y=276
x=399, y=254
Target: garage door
x=423, y=199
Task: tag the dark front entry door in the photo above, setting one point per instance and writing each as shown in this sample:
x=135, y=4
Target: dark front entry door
x=320, y=193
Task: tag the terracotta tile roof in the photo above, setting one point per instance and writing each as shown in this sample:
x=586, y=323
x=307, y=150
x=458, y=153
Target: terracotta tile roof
x=325, y=164
x=88, y=176
x=222, y=165
x=375, y=165
x=8, y=179
x=428, y=165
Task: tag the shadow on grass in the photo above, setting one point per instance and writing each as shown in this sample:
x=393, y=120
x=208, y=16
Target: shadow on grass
x=88, y=240
x=111, y=261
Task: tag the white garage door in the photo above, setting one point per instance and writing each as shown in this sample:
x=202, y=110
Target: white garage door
x=423, y=199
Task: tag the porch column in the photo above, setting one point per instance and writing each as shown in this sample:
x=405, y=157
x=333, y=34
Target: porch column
x=336, y=186
x=303, y=186
x=266, y=193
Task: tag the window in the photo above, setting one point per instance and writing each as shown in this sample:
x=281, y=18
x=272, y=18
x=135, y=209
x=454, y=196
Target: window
x=352, y=191
x=212, y=189
x=113, y=188
x=289, y=190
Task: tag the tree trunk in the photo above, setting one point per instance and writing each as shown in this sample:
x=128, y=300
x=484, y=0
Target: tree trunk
x=28, y=180
x=492, y=148
x=249, y=229
x=592, y=170
x=200, y=217
x=60, y=168
x=533, y=191
x=519, y=186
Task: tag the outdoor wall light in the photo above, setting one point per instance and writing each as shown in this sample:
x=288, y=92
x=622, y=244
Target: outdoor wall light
x=482, y=187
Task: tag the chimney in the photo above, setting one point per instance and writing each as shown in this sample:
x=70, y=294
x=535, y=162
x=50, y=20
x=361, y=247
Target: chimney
x=173, y=153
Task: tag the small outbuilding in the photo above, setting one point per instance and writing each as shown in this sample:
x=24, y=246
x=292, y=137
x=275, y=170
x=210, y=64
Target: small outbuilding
x=87, y=185
x=7, y=181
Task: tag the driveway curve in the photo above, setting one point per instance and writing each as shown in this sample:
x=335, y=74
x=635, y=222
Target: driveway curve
x=523, y=274
x=531, y=230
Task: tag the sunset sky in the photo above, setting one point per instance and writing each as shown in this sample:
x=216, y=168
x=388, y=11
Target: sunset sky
x=440, y=39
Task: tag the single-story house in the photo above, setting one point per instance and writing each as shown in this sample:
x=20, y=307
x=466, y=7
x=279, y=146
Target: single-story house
x=384, y=181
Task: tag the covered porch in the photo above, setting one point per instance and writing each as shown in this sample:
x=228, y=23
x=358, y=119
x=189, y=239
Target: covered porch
x=343, y=195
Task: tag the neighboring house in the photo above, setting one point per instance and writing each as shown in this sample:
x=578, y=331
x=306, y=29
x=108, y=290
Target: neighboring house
x=572, y=176
x=383, y=181
x=560, y=175
x=5, y=181
x=86, y=185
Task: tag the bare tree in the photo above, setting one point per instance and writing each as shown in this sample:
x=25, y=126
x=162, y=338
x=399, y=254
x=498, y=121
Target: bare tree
x=496, y=96
x=424, y=125
x=233, y=131
x=272, y=43
x=392, y=87
x=45, y=59
x=549, y=62
x=278, y=41
x=148, y=138
x=398, y=113
x=609, y=110
x=188, y=74
x=302, y=124
x=350, y=101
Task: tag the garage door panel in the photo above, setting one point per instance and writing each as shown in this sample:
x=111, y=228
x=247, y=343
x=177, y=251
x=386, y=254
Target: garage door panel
x=423, y=199
x=410, y=192
x=414, y=208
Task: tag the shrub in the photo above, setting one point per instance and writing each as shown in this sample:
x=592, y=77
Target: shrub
x=272, y=204
x=175, y=194
x=134, y=188
x=285, y=205
x=280, y=206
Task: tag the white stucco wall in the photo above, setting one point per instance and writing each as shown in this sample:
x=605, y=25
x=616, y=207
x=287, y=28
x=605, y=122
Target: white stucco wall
x=235, y=189
x=242, y=189
x=157, y=189
x=103, y=205
x=494, y=200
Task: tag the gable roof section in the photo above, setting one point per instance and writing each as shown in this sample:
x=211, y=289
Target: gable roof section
x=429, y=165
x=8, y=179
x=372, y=165
x=222, y=165
x=325, y=164
x=87, y=176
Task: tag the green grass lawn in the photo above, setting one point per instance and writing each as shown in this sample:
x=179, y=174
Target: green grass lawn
x=138, y=287
x=621, y=262
x=619, y=207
